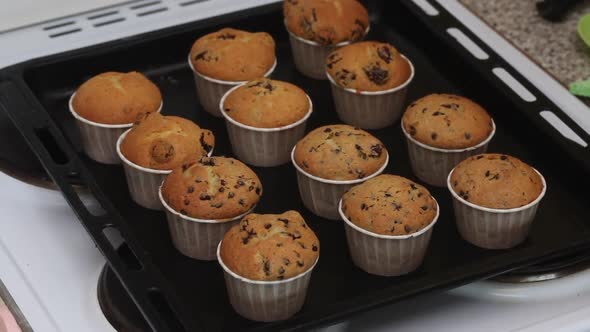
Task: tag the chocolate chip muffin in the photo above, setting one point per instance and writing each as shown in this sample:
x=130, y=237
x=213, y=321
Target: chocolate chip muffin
x=165, y=142
x=270, y=246
x=326, y=22
x=212, y=188
x=266, y=103
x=233, y=55
x=389, y=205
x=368, y=66
x=496, y=181
x=447, y=121
x=116, y=98
x=340, y=152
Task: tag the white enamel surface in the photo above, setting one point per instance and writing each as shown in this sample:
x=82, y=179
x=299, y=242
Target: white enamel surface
x=468, y=43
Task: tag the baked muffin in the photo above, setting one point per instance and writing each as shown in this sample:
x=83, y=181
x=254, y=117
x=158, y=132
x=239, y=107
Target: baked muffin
x=165, y=142
x=327, y=22
x=212, y=188
x=496, y=181
x=116, y=98
x=270, y=246
x=233, y=55
x=340, y=152
x=447, y=121
x=368, y=66
x=389, y=205
x=266, y=103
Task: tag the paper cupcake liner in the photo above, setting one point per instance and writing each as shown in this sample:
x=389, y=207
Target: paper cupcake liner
x=433, y=165
x=321, y=196
x=99, y=140
x=265, y=301
x=386, y=255
x=263, y=147
x=210, y=90
x=494, y=228
x=310, y=56
x=370, y=109
x=193, y=237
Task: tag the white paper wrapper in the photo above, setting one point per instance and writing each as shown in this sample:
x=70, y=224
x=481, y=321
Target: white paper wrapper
x=432, y=165
x=494, y=228
x=321, y=196
x=193, y=237
x=386, y=255
x=370, y=109
x=310, y=56
x=265, y=301
x=99, y=140
x=210, y=90
x=263, y=147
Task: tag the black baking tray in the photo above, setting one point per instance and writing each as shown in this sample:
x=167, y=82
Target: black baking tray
x=175, y=293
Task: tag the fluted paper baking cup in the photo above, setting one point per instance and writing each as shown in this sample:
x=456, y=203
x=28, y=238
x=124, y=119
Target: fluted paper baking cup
x=99, y=140
x=386, y=255
x=432, y=165
x=263, y=147
x=321, y=196
x=143, y=182
x=211, y=90
x=265, y=301
x=310, y=56
x=370, y=109
x=494, y=228
x=197, y=238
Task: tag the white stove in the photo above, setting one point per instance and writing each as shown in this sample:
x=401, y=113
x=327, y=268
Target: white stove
x=50, y=267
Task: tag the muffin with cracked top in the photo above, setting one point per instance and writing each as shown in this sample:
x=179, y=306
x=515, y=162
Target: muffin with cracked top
x=441, y=130
x=331, y=159
x=205, y=198
x=496, y=197
x=369, y=83
x=106, y=105
x=265, y=118
x=226, y=58
x=317, y=27
x=153, y=147
x=272, y=256
x=389, y=222
x=212, y=188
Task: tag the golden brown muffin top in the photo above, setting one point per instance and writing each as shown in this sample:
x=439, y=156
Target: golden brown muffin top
x=389, y=205
x=447, y=121
x=368, y=66
x=212, y=188
x=340, y=152
x=165, y=142
x=327, y=22
x=233, y=55
x=496, y=181
x=270, y=246
x=266, y=103
x=116, y=98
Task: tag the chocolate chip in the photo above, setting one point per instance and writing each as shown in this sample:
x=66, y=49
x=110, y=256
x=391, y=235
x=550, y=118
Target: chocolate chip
x=250, y=188
x=503, y=157
x=186, y=202
x=479, y=157
x=217, y=205
x=226, y=36
x=281, y=270
x=279, y=244
x=204, y=197
x=223, y=182
x=376, y=74
x=364, y=207
x=487, y=173
x=296, y=235
x=407, y=228
x=206, y=161
x=190, y=189
x=376, y=151
x=413, y=186
x=286, y=261
x=284, y=221
x=424, y=207
x=299, y=263
x=240, y=183
x=452, y=106
x=182, y=211
x=267, y=226
x=314, y=247
x=231, y=195
x=437, y=113
x=392, y=229
x=266, y=268
x=396, y=206
x=327, y=130
x=424, y=110
x=412, y=130
x=467, y=136
x=221, y=189
x=385, y=54
x=242, y=202
x=434, y=136
x=201, y=56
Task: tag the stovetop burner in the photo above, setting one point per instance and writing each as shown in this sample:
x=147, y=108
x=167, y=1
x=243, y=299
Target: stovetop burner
x=116, y=304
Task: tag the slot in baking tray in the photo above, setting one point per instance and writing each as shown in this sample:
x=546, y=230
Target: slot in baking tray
x=176, y=293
